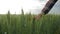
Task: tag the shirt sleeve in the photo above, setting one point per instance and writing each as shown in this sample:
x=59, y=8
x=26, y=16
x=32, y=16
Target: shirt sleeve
x=48, y=6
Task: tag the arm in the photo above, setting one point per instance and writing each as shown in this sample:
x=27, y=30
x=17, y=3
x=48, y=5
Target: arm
x=47, y=8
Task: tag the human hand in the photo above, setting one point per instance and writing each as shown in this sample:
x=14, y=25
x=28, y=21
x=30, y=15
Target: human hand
x=38, y=16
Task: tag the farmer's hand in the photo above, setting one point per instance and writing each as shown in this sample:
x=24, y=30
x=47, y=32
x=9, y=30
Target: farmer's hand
x=38, y=16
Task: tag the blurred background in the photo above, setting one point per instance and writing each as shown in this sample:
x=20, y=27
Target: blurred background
x=29, y=6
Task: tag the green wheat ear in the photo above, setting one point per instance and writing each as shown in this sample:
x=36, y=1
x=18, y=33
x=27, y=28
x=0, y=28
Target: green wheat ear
x=8, y=16
x=22, y=11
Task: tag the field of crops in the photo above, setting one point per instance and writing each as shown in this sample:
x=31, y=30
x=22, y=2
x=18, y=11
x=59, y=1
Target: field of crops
x=23, y=24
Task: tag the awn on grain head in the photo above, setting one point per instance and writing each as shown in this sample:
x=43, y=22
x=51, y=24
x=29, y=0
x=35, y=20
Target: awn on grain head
x=46, y=9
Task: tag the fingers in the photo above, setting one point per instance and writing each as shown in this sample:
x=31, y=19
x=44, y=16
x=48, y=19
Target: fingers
x=38, y=16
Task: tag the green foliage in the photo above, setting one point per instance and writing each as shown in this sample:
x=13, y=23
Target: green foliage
x=24, y=24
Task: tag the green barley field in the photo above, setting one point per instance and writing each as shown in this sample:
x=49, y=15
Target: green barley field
x=24, y=24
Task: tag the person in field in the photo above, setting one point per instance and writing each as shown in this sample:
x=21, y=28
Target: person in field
x=46, y=9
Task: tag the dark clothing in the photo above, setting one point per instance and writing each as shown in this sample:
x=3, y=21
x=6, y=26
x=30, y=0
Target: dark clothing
x=48, y=6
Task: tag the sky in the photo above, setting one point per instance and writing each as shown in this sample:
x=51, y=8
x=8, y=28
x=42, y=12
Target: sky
x=33, y=6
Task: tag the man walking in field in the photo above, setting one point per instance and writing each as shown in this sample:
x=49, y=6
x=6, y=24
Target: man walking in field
x=46, y=9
